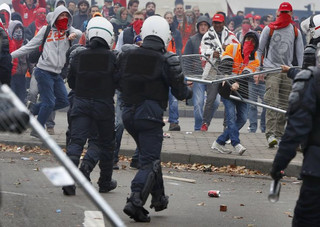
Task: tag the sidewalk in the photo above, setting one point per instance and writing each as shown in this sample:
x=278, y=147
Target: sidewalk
x=185, y=146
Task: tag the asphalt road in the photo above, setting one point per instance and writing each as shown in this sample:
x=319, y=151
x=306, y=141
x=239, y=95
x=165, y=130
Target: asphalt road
x=29, y=199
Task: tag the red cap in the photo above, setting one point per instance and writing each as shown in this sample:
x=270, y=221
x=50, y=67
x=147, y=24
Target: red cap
x=285, y=6
x=218, y=18
x=249, y=15
x=257, y=17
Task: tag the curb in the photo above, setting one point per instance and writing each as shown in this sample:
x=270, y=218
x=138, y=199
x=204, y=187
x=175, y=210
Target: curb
x=263, y=166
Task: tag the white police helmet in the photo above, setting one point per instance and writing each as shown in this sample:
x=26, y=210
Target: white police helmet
x=157, y=26
x=100, y=27
x=315, y=26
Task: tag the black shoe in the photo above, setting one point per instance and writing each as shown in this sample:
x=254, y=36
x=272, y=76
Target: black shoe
x=139, y=214
x=115, y=166
x=134, y=164
x=86, y=169
x=174, y=127
x=69, y=190
x=107, y=186
x=159, y=203
x=34, y=134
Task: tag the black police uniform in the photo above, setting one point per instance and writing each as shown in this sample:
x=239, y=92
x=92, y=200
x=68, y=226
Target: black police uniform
x=147, y=72
x=91, y=77
x=303, y=127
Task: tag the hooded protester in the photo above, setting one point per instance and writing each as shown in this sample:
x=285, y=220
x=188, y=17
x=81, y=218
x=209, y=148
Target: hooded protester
x=5, y=57
x=20, y=66
x=51, y=86
x=6, y=12
x=36, y=25
x=120, y=22
x=27, y=9
x=237, y=59
x=16, y=16
x=59, y=2
x=199, y=89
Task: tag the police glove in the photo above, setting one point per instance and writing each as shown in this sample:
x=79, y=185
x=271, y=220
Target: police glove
x=276, y=173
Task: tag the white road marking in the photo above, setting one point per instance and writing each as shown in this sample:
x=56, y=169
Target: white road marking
x=93, y=219
x=14, y=193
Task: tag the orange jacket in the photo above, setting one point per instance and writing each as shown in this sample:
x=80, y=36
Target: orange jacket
x=234, y=51
x=172, y=46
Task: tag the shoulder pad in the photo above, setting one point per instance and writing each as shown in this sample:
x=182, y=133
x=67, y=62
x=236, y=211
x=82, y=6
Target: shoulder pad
x=76, y=50
x=127, y=47
x=172, y=58
x=303, y=75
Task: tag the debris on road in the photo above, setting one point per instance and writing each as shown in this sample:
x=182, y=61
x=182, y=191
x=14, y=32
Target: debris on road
x=58, y=211
x=237, y=217
x=179, y=179
x=201, y=204
x=214, y=193
x=223, y=208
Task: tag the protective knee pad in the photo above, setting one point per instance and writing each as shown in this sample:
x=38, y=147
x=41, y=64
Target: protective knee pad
x=151, y=179
x=75, y=160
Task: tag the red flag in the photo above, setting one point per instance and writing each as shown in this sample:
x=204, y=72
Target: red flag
x=229, y=11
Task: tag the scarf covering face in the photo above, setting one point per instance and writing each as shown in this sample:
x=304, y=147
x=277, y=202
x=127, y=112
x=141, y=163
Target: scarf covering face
x=40, y=20
x=248, y=47
x=62, y=24
x=137, y=26
x=282, y=21
x=18, y=34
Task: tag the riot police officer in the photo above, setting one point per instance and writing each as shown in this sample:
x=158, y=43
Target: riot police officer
x=303, y=127
x=91, y=76
x=146, y=73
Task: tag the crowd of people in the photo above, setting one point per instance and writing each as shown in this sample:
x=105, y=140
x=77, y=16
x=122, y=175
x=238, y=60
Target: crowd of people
x=41, y=45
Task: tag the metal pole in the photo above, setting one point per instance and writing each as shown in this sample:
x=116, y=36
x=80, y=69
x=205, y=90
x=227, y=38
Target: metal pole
x=258, y=104
x=66, y=162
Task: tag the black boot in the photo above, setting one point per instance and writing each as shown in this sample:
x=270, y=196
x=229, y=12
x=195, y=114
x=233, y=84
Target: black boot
x=71, y=189
x=134, y=208
x=159, y=202
x=86, y=168
x=106, y=186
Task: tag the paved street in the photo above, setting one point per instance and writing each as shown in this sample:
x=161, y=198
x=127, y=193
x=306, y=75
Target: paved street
x=30, y=200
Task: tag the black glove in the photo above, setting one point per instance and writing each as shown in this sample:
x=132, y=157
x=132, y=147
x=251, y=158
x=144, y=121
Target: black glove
x=276, y=173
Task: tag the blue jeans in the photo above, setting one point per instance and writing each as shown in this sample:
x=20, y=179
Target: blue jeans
x=236, y=117
x=256, y=91
x=198, y=104
x=173, y=109
x=53, y=94
x=18, y=86
x=119, y=128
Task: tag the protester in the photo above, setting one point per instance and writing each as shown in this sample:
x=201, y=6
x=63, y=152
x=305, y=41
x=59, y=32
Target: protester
x=144, y=103
x=5, y=57
x=120, y=22
x=27, y=9
x=51, y=87
x=150, y=9
x=132, y=8
x=82, y=16
x=199, y=89
x=20, y=65
x=213, y=44
x=277, y=52
x=6, y=12
x=107, y=9
x=72, y=7
x=237, y=59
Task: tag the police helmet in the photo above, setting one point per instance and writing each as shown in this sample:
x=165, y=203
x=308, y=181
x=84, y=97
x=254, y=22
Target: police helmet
x=315, y=26
x=100, y=27
x=156, y=26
